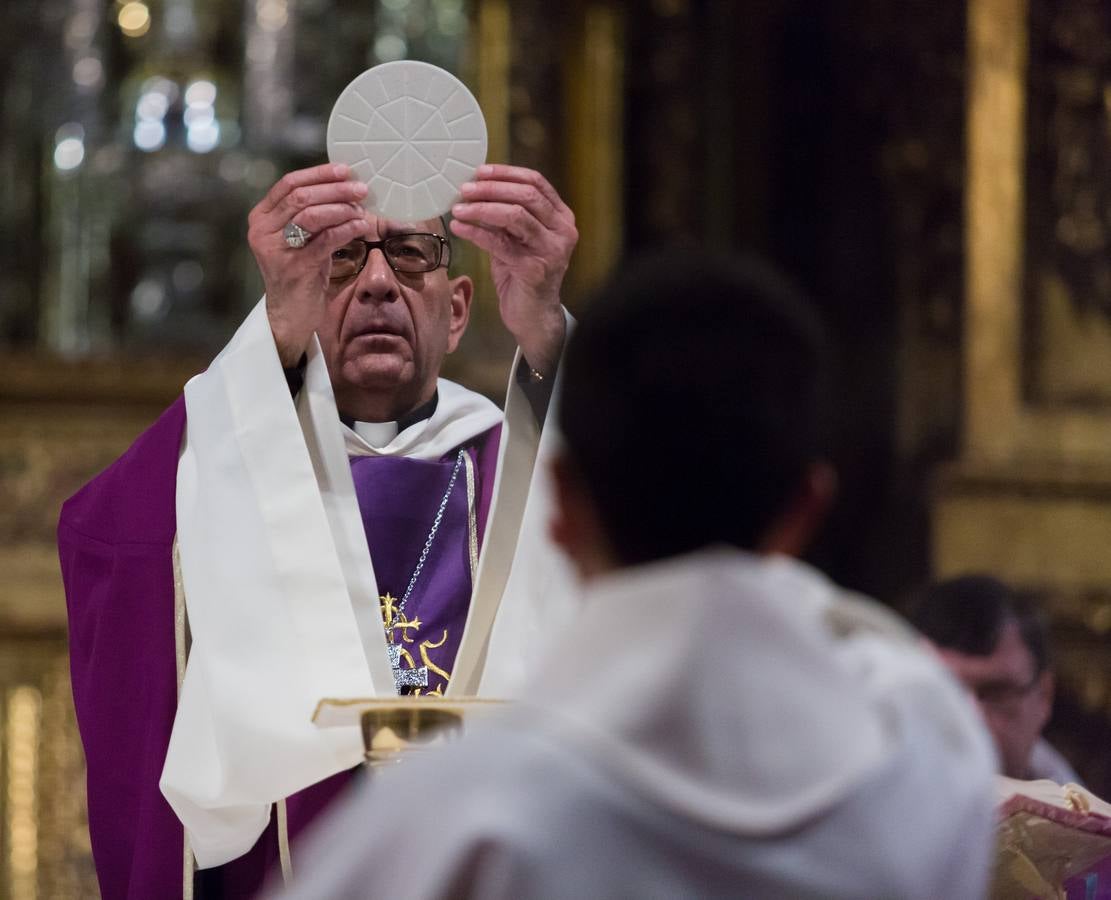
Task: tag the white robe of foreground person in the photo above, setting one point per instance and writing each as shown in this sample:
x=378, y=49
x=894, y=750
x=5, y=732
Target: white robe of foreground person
x=717, y=725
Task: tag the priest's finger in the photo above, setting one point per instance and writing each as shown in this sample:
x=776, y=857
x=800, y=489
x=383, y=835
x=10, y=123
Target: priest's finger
x=516, y=221
x=266, y=237
x=328, y=241
x=293, y=205
x=299, y=178
x=494, y=241
x=521, y=175
x=317, y=218
x=527, y=196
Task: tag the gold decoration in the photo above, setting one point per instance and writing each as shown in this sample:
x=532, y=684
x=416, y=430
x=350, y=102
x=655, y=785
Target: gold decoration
x=393, y=619
x=44, y=838
x=23, y=726
x=427, y=645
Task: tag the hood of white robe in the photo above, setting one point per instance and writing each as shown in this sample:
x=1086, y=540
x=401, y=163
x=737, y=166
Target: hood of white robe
x=746, y=693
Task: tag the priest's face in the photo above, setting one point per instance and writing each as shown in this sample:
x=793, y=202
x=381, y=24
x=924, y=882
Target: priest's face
x=386, y=332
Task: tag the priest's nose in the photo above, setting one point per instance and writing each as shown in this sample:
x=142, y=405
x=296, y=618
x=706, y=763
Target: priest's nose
x=377, y=281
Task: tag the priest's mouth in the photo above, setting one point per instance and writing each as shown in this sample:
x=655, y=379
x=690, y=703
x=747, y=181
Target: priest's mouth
x=375, y=335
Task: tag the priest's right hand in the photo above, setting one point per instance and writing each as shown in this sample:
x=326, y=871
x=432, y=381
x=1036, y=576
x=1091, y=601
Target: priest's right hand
x=325, y=203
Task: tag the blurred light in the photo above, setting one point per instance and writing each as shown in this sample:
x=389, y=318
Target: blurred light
x=159, y=84
x=69, y=146
x=152, y=106
x=200, y=93
x=87, y=71
x=197, y=116
x=187, y=276
x=148, y=299
x=69, y=153
x=134, y=19
x=203, y=138
x=395, y=5
x=389, y=47
x=22, y=736
x=69, y=130
x=149, y=135
x=272, y=15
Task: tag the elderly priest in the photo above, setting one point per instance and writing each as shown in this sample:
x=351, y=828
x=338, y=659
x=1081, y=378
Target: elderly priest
x=721, y=720
x=320, y=515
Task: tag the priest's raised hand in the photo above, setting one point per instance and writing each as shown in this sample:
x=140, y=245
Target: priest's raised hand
x=324, y=202
x=517, y=217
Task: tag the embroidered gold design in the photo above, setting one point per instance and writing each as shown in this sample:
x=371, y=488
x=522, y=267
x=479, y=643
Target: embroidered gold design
x=430, y=666
x=425, y=646
x=388, y=602
x=393, y=618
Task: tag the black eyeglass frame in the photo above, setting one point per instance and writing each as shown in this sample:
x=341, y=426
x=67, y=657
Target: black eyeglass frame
x=444, y=256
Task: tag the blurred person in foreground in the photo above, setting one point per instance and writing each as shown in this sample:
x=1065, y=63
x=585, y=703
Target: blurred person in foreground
x=721, y=720
x=319, y=516
x=996, y=642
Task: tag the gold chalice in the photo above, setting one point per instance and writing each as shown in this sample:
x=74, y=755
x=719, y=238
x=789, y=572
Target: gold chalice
x=394, y=727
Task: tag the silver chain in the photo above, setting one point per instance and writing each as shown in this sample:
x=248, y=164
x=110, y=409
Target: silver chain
x=428, y=542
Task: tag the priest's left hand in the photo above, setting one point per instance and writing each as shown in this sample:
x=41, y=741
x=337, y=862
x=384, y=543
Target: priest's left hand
x=517, y=217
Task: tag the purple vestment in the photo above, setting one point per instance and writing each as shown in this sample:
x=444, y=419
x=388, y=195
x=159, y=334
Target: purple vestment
x=398, y=501
x=115, y=538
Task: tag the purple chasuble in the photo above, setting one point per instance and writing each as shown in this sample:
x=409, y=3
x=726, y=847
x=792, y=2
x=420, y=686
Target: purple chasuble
x=115, y=538
x=399, y=499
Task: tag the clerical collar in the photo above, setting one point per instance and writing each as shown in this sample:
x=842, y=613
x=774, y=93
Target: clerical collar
x=378, y=434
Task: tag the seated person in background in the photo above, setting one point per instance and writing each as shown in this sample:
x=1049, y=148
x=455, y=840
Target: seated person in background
x=996, y=642
x=721, y=720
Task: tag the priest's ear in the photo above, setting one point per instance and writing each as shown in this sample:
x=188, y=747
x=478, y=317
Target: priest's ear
x=793, y=529
x=462, y=291
x=575, y=526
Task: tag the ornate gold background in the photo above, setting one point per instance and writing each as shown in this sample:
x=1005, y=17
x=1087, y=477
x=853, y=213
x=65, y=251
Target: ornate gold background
x=1029, y=498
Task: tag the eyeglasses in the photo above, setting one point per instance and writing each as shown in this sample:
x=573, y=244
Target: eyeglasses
x=408, y=253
